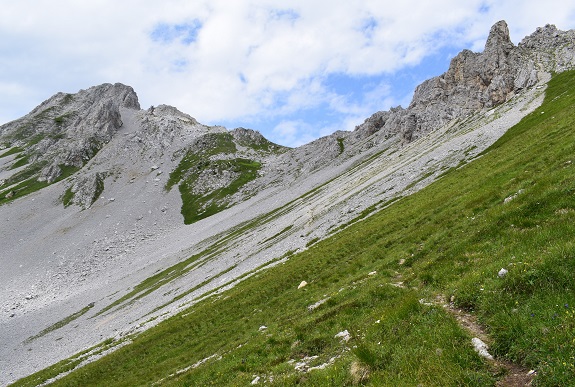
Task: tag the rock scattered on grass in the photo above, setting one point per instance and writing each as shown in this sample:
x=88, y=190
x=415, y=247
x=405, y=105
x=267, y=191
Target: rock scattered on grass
x=344, y=336
x=317, y=304
x=481, y=348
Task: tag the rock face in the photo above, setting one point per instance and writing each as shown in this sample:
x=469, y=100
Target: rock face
x=86, y=189
x=476, y=81
x=67, y=130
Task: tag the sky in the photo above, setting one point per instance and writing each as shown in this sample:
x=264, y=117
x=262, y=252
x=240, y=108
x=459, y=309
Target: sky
x=295, y=70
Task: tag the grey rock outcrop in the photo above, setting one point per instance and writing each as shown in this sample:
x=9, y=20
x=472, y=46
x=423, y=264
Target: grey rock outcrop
x=164, y=126
x=67, y=130
x=86, y=190
x=549, y=49
x=477, y=81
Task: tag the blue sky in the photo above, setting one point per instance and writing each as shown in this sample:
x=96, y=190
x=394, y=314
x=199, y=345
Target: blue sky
x=294, y=70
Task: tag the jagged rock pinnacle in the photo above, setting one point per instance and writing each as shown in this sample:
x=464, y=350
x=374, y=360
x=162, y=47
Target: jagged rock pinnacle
x=499, y=37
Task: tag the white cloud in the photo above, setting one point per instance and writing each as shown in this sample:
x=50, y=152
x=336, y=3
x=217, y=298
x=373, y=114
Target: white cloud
x=294, y=133
x=245, y=60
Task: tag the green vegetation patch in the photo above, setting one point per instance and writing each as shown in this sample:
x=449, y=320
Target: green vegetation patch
x=340, y=144
x=286, y=229
x=25, y=182
x=11, y=151
x=62, y=322
x=199, y=206
x=20, y=162
x=68, y=197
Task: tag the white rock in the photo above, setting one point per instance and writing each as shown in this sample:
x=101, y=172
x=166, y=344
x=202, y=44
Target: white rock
x=256, y=380
x=481, y=348
x=343, y=335
x=502, y=273
x=317, y=304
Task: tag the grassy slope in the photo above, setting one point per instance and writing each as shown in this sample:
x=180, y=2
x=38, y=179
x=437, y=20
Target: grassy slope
x=449, y=239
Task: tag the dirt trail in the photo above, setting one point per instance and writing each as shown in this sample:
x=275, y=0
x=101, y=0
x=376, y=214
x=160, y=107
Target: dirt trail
x=514, y=375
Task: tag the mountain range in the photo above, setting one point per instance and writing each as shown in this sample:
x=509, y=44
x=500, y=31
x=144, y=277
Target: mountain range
x=115, y=218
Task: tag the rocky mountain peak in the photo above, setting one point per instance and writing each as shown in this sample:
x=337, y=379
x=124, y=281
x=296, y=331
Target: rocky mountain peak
x=477, y=81
x=498, y=38
x=61, y=134
x=121, y=95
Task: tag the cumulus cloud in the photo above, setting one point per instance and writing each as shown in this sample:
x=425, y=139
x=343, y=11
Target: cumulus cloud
x=294, y=69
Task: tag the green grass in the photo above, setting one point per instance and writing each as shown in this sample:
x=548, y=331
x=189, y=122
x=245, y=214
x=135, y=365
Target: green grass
x=11, y=151
x=99, y=189
x=199, y=206
x=65, y=321
x=59, y=120
x=286, y=229
x=27, y=183
x=341, y=145
x=449, y=239
x=20, y=162
x=68, y=197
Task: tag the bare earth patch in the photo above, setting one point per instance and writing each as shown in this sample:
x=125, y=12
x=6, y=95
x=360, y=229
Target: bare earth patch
x=515, y=375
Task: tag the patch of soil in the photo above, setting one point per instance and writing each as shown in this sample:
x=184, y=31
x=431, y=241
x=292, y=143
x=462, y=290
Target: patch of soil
x=513, y=374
